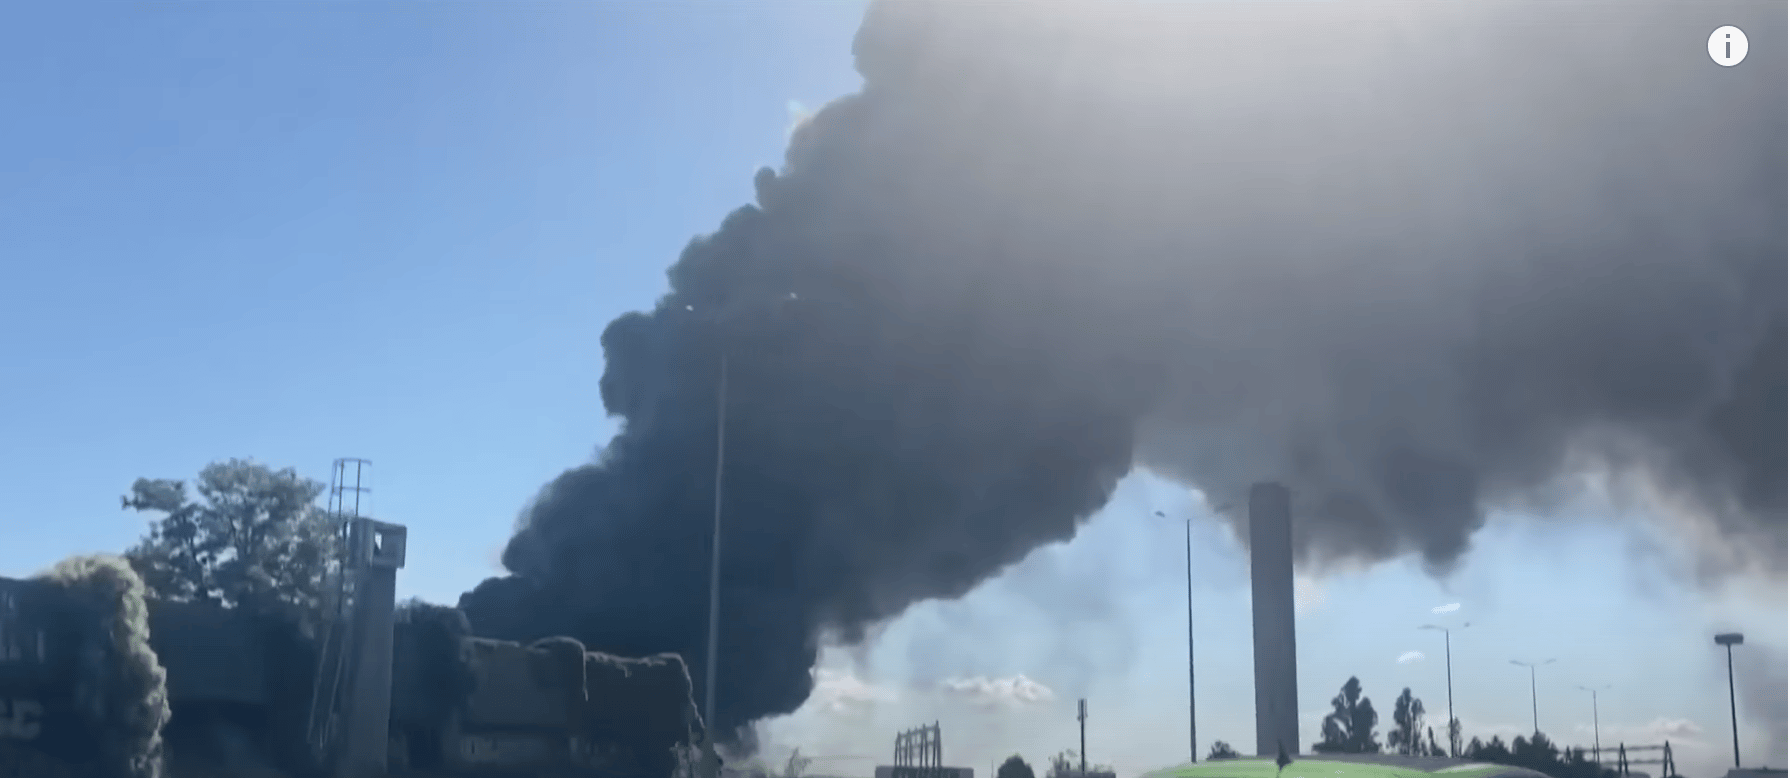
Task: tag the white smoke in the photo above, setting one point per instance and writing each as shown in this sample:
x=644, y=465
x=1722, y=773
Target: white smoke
x=1016, y=691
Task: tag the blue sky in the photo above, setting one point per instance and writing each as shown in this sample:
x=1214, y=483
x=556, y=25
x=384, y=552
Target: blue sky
x=296, y=232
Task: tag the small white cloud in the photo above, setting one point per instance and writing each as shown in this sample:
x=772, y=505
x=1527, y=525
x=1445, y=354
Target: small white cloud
x=842, y=694
x=1449, y=608
x=1410, y=656
x=1017, y=691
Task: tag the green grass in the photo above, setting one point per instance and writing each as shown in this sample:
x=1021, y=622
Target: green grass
x=1314, y=768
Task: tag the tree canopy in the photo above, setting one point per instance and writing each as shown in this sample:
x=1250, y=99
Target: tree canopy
x=1221, y=750
x=1406, y=736
x=1014, y=767
x=254, y=538
x=1349, y=727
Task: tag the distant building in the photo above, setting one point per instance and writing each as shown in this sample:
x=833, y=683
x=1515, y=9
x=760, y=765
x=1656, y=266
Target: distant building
x=1757, y=772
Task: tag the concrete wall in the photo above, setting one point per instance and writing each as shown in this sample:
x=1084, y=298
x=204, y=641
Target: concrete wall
x=1271, y=590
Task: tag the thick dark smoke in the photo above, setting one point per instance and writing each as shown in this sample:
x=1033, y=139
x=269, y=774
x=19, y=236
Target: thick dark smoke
x=1415, y=260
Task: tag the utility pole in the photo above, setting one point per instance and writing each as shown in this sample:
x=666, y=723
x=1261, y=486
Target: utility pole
x=1081, y=715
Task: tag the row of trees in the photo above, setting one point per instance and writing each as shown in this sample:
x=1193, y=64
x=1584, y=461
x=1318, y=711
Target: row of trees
x=1064, y=764
x=1349, y=729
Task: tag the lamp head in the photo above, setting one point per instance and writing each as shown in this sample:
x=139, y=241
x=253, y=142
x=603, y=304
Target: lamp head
x=1729, y=639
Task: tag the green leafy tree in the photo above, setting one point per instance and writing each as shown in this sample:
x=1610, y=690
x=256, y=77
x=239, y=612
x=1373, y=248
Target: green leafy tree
x=1221, y=750
x=1014, y=767
x=1349, y=727
x=1406, y=736
x=254, y=538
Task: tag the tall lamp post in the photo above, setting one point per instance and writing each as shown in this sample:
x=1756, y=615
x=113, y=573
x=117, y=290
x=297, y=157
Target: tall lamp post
x=1193, y=741
x=1597, y=746
x=1534, y=709
x=1448, y=664
x=710, y=765
x=1729, y=640
x=708, y=684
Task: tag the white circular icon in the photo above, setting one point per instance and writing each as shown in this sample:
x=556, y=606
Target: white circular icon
x=1727, y=46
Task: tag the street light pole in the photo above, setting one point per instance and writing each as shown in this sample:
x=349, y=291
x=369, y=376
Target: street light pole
x=1193, y=741
x=1729, y=640
x=1597, y=746
x=710, y=765
x=708, y=702
x=1534, y=709
x=1448, y=664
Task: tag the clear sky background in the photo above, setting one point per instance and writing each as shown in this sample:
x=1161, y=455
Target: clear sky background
x=301, y=231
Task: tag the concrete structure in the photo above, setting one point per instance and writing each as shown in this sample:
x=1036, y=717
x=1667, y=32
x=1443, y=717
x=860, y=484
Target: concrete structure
x=376, y=553
x=1271, y=590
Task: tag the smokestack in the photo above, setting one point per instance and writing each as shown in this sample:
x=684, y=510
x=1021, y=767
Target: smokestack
x=1271, y=584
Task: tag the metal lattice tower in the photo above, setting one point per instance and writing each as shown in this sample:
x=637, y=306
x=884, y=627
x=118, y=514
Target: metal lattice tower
x=344, y=500
x=918, y=753
x=343, y=505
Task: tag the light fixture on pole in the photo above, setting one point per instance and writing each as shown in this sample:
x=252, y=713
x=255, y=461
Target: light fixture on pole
x=1596, y=739
x=1729, y=640
x=1534, y=709
x=1448, y=664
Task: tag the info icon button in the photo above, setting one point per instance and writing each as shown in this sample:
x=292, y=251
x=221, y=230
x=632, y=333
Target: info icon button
x=1727, y=46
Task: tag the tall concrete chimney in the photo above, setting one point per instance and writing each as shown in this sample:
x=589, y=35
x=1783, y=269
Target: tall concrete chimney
x=1271, y=589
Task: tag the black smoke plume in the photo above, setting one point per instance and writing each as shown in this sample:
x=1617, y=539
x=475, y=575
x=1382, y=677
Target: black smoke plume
x=1415, y=260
